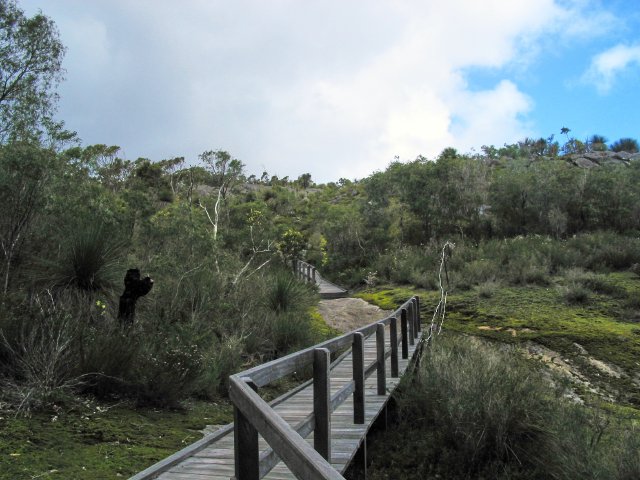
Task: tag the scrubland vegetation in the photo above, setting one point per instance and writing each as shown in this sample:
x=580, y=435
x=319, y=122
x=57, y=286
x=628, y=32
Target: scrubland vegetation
x=547, y=253
x=477, y=411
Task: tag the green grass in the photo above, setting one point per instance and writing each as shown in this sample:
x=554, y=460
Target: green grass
x=99, y=442
x=541, y=314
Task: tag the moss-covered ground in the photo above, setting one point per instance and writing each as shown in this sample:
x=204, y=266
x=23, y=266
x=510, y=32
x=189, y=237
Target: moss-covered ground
x=604, y=324
x=100, y=441
x=91, y=440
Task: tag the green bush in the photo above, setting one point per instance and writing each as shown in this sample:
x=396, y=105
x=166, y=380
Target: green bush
x=484, y=406
x=167, y=367
x=575, y=294
x=107, y=356
x=40, y=368
x=594, y=282
x=409, y=265
x=628, y=462
x=488, y=289
x=89, y=261
x=479, y=410
x=285, y=293
x=222, y=359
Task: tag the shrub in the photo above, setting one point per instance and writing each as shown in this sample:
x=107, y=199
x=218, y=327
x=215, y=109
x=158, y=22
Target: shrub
x=166, y=369
x=285, y=293
x=482, y=411
x=107, y=356
x=575, y=294
x=42, y=366
x=88, y=261
x=487, y=289
x=580, y=285
x=290, y=332
x=628, y=462
x=222, y=359
x=409, y=265
x=486, y=405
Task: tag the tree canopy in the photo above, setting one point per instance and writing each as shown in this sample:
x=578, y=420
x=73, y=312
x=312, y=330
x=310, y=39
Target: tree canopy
x=30, y=70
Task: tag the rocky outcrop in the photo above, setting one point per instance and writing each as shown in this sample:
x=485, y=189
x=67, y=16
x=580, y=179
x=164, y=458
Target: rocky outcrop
x=597, y=159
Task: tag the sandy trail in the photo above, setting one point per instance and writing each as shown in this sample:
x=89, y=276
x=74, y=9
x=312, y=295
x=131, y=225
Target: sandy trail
x=347, y=314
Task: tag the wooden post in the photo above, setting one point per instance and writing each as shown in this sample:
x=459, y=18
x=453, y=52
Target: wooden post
x=357, y=357
x=403, y=327
x=380, y=368
x=412, y=325
x=393, y=334
x=308, y=276
x=361, y=457
x=413, y=318
x=322, y=402
x=313, y=275
x=418, y=313
x=247, y=453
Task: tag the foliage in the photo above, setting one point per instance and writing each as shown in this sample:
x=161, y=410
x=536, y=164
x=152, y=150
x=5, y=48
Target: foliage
x=25, y=173
x=292, y=244
x=541, y=249
x=474, y=410
x=285, y=293
x=41, y=359
x=30, y=69
x=89, y=261
x=487, y=406
x=629, y=145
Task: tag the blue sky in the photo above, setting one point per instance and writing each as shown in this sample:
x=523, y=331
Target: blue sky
x=339, y=88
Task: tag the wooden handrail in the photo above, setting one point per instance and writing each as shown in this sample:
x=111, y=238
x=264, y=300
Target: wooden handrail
x=254, y=416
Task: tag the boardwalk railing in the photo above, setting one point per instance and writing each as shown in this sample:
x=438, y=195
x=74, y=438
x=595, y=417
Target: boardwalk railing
x=253, y=416
x=346, y=387
x=307, y=272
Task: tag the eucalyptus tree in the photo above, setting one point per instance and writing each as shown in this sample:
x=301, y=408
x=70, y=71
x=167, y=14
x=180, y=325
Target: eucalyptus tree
x=31, y=56
x=227, y=172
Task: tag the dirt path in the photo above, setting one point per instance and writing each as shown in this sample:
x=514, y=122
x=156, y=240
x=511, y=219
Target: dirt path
x=346, y=314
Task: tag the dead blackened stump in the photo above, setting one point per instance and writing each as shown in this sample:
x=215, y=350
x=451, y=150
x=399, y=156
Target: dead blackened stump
x=134, y=288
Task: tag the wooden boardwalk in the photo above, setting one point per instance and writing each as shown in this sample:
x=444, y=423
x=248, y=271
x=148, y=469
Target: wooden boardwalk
x=326, y=289
x=214, y=456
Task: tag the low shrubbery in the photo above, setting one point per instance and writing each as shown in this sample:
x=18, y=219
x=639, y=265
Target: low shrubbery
x=184, y=342
x=477, y=411
x=531, y=260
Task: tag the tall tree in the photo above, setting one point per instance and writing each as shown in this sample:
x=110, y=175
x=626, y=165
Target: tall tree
x=304, y=180
x=226, y=171
x=30, y=69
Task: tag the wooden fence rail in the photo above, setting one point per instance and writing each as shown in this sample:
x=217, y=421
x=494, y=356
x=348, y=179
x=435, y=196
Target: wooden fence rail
x=285, y=439
x=307, y=272
x=253, y=416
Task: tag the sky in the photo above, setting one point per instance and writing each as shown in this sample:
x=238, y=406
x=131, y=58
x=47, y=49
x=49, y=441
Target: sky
x=340, y=88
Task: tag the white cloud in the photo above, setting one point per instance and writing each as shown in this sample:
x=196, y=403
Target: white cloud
x=606, y=66
x=333, y=88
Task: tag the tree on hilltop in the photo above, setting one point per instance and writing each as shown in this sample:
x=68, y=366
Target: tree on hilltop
x=629, y=145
